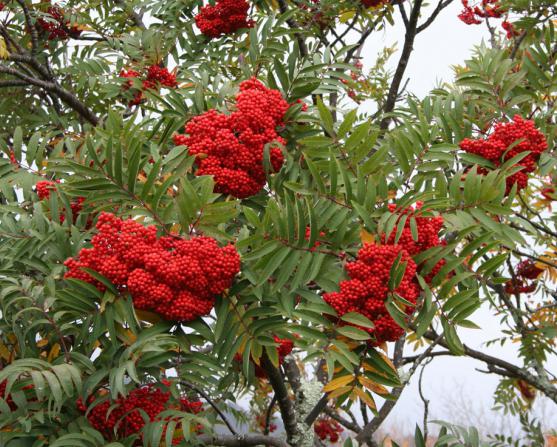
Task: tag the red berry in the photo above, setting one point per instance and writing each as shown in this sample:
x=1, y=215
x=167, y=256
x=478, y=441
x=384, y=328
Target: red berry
x=178, y=279
x=506, y=141
x=328, y=428
x=225, y=17
x=231, y=147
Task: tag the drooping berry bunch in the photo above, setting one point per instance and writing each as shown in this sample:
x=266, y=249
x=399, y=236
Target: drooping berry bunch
x=125, y=416
x=154, y=78
x=506, y=141
x=45, y=187
x=176, y=278
x=486, y=9
x=225, y=17
x=368, y=288
x=427, y=229
x=56, y=26
x=231, y=147
x=327, y=428
x=525, y=271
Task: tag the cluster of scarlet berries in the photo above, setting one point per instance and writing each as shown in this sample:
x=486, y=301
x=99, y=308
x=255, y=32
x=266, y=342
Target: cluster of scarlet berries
x=176, y=278
x=487, y=9
x=368, y=287
x=125, y=416
x=8, y=398
x=2, y=6
x=153, y=79
x=57, y=26
x=231, y=147
x=356, y=78
x=327, y=428
x=506, y=141
x=225, y=17
x=525, y=271
x=284, y=348
x=45, y=187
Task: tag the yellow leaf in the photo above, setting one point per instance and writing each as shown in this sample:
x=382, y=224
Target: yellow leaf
x=4, y=53
x=150, y=317
x=366, y=237
x=372, y=386
x=338, y=382
x=42, y=343
x=54, y=352
x=346, y=16
x=5, y=352
x=366, y=398
x=339, y=392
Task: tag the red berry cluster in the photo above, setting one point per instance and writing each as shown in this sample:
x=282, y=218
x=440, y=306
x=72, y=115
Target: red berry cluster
x=327, y=428
x=125, y=416
x=2, y=6
x=487, y=9
x=525, y=270
x=523, y=136
x=45, y=187
x=57, y=26
x=373, y=3
x=155, y=78
x=428, y=228
x=367, y=289
x=357, y=80
x=308, y=237
x=176, y=278
x=231, y=147
x=225, y=17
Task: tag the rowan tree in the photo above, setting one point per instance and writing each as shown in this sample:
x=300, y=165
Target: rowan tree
x=219, y=227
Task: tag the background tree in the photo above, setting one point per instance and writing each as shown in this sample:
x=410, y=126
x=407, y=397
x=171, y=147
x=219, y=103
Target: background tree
x=195, y=214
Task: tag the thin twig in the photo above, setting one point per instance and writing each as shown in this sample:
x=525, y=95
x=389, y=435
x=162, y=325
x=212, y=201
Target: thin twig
x=213, y=404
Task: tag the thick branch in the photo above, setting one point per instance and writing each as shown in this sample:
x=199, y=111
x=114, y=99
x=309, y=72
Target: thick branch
x=30, y=26
x=67, y=97
x=241, y=440
x=504, y=368
x=409, y=37
x=283, y=399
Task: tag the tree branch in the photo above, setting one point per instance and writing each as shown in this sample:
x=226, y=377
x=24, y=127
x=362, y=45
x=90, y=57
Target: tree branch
x=402, y=63
x=440, y=6
x=136, y=18
x=241, y=440
x=285, y=404
x=67, y=97
x=210, y=402
x=367, y=432
x=504, y=368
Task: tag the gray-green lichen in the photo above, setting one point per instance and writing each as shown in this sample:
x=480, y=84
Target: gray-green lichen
x=308, y=395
